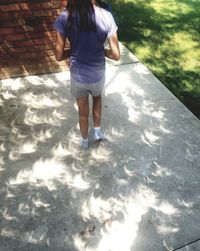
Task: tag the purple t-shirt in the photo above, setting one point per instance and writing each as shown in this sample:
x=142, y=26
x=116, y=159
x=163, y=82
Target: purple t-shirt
x=87, y=58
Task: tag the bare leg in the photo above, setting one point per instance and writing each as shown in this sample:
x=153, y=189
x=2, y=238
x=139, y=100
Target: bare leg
x=96, y=111
x=83, y=107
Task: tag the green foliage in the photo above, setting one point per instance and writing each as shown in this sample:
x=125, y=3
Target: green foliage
x=165, y=36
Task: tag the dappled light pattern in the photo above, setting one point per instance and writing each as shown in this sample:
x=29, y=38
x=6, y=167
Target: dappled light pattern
x=164, y=35
x=124, y=193
x=120, y=217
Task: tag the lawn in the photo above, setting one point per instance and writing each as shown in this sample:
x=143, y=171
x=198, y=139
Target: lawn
x=165, y=36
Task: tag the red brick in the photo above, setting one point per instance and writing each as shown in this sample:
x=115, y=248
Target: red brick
x=21, y=14
x=6, y=16
x=41, y=48
x=10, y=23
x=31, y=55
x=58, y=5
x=32, y=49
x=19, y=29
x=40, y=29
x=44, y=47
x=23, y=29
x=43, y=41
x=35, y=6
x=31, y=6
x=7, y=44
x=15, y=37
x=31, y=35
x=42, y=13
x=46, y=6
x=49, y=20
x=2, y=52
x=11, y=1
x=24, y=6
x=24, y=43
x=10, y=7
x=5, y=31
x=46, y=26
x=18, y=50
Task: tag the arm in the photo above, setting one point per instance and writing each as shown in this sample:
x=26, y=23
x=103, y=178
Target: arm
x=60, y=53
x=114, y=52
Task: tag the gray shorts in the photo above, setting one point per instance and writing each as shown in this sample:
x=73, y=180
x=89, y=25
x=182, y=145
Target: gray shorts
x=82, y=89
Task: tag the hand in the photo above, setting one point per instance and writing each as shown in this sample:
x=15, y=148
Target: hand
x=108, y=53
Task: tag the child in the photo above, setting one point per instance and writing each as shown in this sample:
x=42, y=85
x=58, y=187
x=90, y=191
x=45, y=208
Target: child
x=87, y=26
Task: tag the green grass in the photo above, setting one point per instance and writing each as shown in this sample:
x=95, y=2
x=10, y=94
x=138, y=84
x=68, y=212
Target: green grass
x=165, y=36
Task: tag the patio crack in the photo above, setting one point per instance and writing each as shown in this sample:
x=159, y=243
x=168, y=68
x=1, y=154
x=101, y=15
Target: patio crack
x=187, y=244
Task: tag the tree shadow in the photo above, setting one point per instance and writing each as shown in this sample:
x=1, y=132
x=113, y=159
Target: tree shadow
x=56, y=196
x=157, y=38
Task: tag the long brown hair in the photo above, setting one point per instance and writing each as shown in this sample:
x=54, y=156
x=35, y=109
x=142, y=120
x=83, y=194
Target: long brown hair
x=81, y=15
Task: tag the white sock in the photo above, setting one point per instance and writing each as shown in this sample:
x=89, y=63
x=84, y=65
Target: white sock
x=84, y=143
x=84, y=140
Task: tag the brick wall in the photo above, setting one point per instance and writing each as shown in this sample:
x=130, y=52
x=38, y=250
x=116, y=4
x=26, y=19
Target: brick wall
x=27, y=37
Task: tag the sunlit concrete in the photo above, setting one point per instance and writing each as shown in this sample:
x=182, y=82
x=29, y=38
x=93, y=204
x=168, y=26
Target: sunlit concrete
x=139, y=190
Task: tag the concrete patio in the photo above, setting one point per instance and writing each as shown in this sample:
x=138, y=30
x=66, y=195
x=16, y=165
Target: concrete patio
x=139, y=190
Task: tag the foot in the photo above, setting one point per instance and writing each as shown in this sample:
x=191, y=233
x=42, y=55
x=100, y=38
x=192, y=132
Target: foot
x=84, y=143
x=98, y=135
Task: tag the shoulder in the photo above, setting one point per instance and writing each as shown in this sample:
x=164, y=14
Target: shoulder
x=64, y=14
x=102, y=12
x=61, y=20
